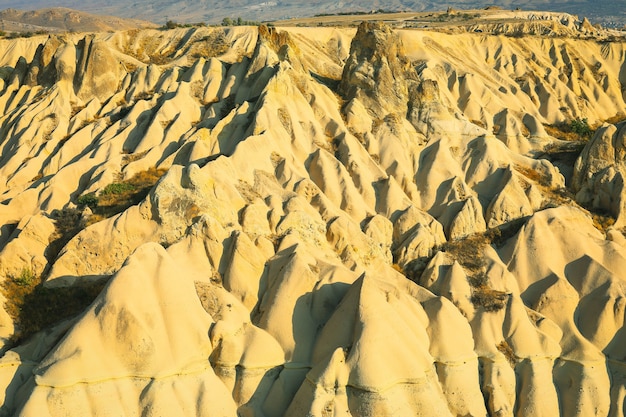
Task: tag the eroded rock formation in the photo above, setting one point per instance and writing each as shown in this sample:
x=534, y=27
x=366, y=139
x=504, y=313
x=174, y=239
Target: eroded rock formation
x=301, y=221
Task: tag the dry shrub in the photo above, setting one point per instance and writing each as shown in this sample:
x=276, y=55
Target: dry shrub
x=75, y=110
x=15, y=290
x=120, y=196
x=508, y=353
x=602, y=220
x=525, y=130
x=479, y=123
x=144, y=95
x=132, y=157
x=488, y=298
x=498, y=236
x=414, y=269
x=67, y=224
x=468, y=252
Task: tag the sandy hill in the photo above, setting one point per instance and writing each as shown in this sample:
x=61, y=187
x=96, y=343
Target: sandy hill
x=62, y=19
x=320, y=221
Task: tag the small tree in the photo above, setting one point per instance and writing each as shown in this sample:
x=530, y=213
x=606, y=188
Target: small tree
x=170, y=24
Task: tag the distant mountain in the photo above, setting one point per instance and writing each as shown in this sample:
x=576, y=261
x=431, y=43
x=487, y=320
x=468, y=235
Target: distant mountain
x=64, y=19
x=211, y=11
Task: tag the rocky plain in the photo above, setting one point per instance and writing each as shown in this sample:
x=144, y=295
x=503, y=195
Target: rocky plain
x=315, y=221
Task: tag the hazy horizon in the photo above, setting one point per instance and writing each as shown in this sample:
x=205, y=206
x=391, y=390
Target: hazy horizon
x=602, y=11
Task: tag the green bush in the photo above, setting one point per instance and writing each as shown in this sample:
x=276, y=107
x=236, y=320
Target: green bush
x=581, y=127
x=117, y=188
x=90, y=200
x=25, y=279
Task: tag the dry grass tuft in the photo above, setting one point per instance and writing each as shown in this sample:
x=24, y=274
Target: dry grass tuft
x=619, y=117
x=132, y=157
x=562, y=132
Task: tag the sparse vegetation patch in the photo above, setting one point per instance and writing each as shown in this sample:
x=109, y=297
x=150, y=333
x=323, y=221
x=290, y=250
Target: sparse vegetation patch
x=574, y=131
x=34, y=307
x=119, y=196
x=27, y=34
x=468, y=252
x=172, y=24
x=451, y=16
x=89, y=200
